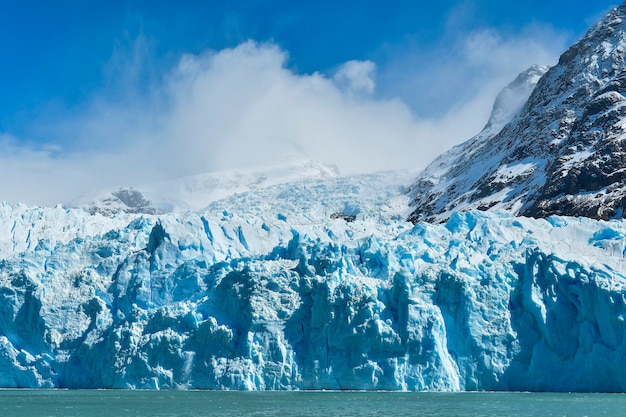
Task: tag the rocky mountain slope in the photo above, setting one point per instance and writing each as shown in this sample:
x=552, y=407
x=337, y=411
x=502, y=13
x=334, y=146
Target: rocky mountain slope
x=562, y=153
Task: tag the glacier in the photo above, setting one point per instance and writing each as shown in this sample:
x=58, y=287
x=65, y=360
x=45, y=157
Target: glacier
x=312, y=284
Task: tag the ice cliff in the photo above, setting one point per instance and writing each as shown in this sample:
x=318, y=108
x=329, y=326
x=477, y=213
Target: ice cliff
x=268, y=290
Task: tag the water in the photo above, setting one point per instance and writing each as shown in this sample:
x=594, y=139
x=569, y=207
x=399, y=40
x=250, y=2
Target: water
x=63, y=403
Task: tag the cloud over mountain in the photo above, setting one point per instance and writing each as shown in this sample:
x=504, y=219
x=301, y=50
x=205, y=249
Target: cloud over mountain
x=241, y=107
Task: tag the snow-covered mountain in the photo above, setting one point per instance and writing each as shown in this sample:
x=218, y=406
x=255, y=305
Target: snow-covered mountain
x=562, y=153
x=196, y=192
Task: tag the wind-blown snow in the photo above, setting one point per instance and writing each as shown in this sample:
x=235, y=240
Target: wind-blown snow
x=309, y=285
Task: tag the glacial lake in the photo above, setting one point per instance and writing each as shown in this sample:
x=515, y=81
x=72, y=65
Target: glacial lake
x=100, y=403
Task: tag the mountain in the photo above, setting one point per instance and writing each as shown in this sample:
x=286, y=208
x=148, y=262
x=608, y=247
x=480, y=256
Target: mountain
x=562, y=153
x=196, y=192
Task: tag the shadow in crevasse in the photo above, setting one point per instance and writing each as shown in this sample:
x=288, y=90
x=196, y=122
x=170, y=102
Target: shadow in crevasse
x=570, y=328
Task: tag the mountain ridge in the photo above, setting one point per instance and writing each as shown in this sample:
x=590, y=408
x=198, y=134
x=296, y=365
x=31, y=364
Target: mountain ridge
x=561, y=154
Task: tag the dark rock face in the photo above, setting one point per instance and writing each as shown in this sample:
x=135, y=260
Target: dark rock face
x=124, y=200
x=348, y=218
x=563, y=153
x=132, y=198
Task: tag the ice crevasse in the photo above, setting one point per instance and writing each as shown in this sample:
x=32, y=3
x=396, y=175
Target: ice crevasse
x=217, y=300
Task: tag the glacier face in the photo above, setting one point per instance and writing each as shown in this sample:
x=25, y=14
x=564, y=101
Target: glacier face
x=268, y=290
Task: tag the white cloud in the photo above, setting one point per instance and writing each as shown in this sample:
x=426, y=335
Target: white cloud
x=434, y=80
x=242, y=107
x=451, y=86
x=356, y=77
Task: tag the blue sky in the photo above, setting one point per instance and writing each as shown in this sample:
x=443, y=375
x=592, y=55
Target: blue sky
x=96, y=81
